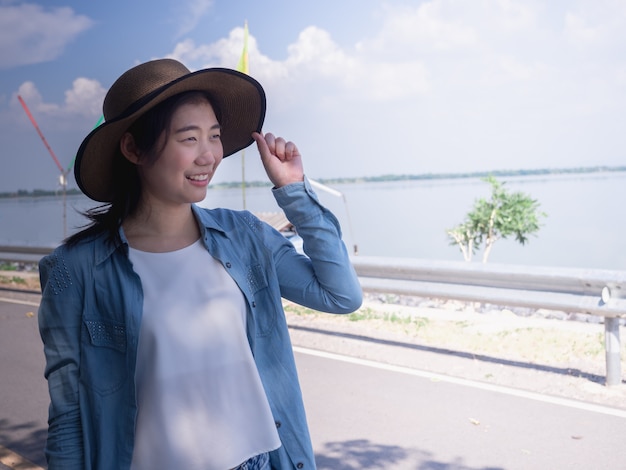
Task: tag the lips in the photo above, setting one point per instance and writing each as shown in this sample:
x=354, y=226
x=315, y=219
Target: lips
x=202, y=177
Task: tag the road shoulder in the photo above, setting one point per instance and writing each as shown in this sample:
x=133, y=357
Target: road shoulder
x=554, y=357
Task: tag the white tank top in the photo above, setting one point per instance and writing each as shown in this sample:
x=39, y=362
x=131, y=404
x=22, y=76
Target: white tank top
x=201, y=403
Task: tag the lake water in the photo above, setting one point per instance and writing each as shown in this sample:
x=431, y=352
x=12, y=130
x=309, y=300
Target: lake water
x=585, y=225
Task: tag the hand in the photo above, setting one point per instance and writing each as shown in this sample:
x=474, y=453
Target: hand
x=282, y=160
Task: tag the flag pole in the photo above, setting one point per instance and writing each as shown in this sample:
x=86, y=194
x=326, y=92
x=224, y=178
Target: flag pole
x=242, y=66
x=243, y=178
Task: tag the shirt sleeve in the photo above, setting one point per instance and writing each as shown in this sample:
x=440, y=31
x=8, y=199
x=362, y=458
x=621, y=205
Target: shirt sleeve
x=324, y=279
x=60, y=326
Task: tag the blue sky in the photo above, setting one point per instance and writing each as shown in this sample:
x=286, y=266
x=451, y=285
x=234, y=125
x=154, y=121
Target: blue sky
x=363, y=87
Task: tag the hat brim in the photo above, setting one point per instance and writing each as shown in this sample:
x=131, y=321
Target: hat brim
x=239, y=97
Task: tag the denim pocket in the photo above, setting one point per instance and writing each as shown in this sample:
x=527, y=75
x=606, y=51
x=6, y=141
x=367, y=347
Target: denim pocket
x=106, y=334
x=103, y=363
x=263, y=311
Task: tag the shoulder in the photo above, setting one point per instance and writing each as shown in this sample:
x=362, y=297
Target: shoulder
x=242, y=228
x=66, y=252
x=69, y=258
x=227, y=219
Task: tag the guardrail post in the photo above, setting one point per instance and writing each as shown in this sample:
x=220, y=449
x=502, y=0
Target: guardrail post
x=612, y=347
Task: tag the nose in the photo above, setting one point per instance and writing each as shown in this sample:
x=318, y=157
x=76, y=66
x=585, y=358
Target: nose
x=205, y=158
x=210, y=154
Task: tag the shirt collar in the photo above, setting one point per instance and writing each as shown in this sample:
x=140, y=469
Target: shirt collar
x=106, y=247
x=206, y=220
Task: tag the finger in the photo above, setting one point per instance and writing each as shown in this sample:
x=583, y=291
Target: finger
x=291, y=151
x=259, y=138
x=279, y=149
x=261, y=143
x=270, y=140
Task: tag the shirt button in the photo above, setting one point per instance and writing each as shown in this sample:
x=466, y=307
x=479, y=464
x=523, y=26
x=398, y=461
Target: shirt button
x=300, y=465
x=253, y=303
x=278, y=424
x=228, y=265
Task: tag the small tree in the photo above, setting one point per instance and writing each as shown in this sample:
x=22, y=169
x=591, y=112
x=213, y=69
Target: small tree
x=503, y=215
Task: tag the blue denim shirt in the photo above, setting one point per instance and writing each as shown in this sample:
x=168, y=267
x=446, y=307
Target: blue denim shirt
x=91, y=310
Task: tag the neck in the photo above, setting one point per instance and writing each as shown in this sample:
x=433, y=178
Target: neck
x=159, y=230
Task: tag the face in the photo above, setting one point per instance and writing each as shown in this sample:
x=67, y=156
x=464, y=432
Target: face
x=191, y=151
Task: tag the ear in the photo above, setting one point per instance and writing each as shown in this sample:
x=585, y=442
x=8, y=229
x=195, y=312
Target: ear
x=129, y=148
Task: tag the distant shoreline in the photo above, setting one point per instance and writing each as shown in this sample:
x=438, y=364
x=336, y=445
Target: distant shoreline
x=23, y=193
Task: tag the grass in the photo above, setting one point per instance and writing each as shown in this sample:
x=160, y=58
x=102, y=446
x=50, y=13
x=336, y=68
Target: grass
x=544, y=345
x=366, y=314
x=299, y=310
x=11, y=277
x=12, y=280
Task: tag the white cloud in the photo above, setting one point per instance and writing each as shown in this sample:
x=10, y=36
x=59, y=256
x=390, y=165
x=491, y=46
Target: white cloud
x=427, y=27
x=83, y=99
x=578, y=30
x=33, y=99
x=30, y=34
x=596, y=24
x=314, y=62
x=226, y=52
x=316, y=49
x=193, y=12
x=218, y=54
x=448, y=27
x=395, y=81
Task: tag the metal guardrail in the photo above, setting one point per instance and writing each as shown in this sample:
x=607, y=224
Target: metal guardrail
x=572, y=290
x=23, y=254
x=591, y=291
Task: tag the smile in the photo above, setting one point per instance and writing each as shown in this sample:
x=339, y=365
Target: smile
x=202, y=177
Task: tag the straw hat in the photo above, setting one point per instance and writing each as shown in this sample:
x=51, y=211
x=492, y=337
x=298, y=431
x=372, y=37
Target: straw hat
x=240, y=99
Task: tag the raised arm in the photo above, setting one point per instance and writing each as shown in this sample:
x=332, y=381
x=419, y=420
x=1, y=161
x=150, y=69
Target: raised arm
x=324, y=279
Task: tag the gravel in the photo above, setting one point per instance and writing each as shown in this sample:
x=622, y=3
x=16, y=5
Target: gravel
x=552, y=353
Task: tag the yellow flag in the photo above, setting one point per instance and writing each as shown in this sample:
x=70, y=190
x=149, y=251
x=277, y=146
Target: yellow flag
x=242, y=66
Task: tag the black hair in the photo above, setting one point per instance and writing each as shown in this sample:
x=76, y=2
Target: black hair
x=146, y=132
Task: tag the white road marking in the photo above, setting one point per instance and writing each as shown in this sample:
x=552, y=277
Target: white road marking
x=21, y=302
x=16, y=461
x=466, y=382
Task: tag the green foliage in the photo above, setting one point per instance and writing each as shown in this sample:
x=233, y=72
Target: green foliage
x=4, y=266
x=503, y=215
x=12, y=280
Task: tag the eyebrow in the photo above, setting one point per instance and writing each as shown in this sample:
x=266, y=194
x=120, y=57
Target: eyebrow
x=193, y=127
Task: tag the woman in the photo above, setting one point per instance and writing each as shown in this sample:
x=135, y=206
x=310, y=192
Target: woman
x=165, y=340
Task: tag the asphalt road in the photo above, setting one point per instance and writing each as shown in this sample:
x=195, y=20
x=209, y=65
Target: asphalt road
x=366, y=415
x=23, y=390
x=362, y=415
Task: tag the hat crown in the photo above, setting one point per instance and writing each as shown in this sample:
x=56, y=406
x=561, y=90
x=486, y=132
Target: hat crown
x=239, y=98
x=139, y=82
